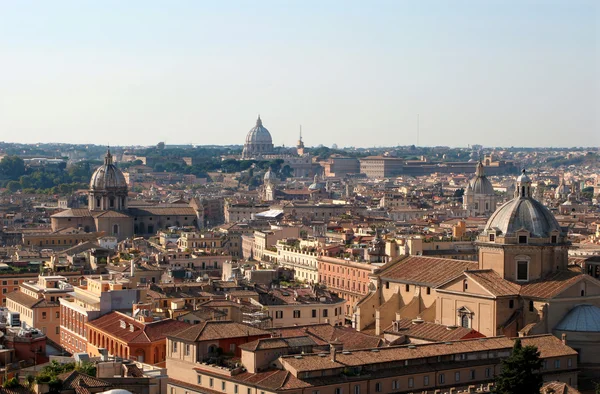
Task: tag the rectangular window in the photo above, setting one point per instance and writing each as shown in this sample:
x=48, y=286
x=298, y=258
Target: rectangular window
x=522, y=270
x=278, y=314
x=338, y=390
x=387, y=285
x=395, y=385
x=314, y=313
x=492, y=237
x=425, y=380
x=522, y=239
x=554, y=239
x=211, y=382
x=357, y=389
x=569, y=363
x=325, y=312
x=235, y=389
x=199, y=379
x=174, y=346
x=377, y=387
x=43, y=315
x=488, y=372
x=407, y=288
x=296, y=314
x=442, y=378
x=187, y=349
x=472, y=374
x=223, y=385
x=249, y=391
x=316, y=392
x=556, y=363
x=411, y=382
x=457, y=376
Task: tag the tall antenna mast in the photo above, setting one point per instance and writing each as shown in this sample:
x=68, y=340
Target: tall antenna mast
x=418, y=129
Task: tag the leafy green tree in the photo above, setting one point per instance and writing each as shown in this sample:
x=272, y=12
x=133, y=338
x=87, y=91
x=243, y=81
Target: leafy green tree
x=12, y=167
x=520, y=371
x=13, y=186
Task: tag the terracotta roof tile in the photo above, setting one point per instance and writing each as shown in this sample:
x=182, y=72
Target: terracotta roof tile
x=494, y=283
x=429, y=271
x=325, y=333
x=553, y=284
x=432, y=332
x=210, y=330
x=549, y=346
x=142, y=332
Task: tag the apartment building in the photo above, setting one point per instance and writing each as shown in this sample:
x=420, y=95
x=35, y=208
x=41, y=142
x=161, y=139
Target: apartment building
x=284, y=366
x=37, y=302
x=98, y=296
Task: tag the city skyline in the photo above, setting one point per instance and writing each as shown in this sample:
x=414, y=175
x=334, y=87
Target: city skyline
x=493, y=73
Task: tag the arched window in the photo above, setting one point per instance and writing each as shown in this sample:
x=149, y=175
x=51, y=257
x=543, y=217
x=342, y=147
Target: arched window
x=116, y=229
x=465, y=285
x=111, y=202
x=465, y=321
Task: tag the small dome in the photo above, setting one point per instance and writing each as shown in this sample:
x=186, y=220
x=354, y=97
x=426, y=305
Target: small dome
x=108, y=176
x=259, y=134
x=582, y=318
x=480, y=184
x=117, y=391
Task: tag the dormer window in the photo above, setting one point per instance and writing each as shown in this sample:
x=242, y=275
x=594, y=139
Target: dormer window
x=522, y=270
x=522, y=239
x=492, y=237
x=553, y=239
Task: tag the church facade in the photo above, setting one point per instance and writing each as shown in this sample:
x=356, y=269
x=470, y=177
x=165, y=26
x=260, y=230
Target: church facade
x=522, y=284
x=110, y=210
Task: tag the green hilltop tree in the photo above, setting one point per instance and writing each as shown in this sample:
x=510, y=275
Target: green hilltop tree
x=520, y=371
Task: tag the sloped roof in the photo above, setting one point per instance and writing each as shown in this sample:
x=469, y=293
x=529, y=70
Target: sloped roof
x=74, y=379
x=142, y=332
x=429, y=271
x=553, y=284
x=432, y=332
x=494, y=283
x=211, y=330
x=325, y=333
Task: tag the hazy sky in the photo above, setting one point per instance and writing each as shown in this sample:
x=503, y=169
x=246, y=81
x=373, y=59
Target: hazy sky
x=355, y=73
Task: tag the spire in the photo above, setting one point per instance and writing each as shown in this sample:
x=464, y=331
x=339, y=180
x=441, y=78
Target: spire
x=258, y=121
x=479, y=169
x=108, y=158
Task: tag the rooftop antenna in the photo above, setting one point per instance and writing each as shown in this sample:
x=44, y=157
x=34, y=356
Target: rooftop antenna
x=418, y=129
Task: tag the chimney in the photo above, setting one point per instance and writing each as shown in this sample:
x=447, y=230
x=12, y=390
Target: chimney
x=332, y=352
x=131, y=268
x=563, y=337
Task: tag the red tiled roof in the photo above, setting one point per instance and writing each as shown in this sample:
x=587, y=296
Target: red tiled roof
x=325, y=333
x=494, y=283
x=433, y=332
x=211, y=330
x=428, y=271
x=553, y=284
x=142, y=332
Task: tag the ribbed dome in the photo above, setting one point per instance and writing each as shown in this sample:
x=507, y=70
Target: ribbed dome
x=258, y=134
x=108, y=176
x=523, y=213
x=582, y=318
x=480, y=184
